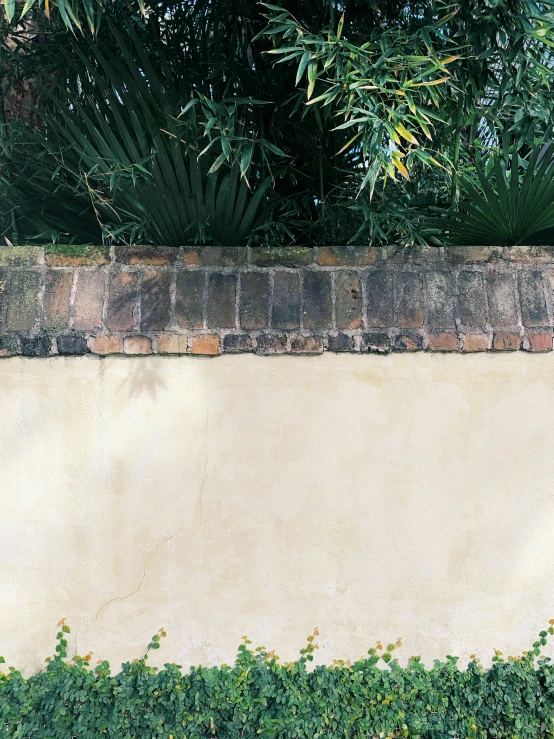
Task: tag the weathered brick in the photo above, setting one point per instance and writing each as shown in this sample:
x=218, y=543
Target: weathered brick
x=3, y=285
x=440, y=300
x=318, y=301
x=332, y=256
x=36, y=346
x=222, y=293
x=405, y=343
x=154, y=300
x=189, y=299
x=236, y=343
x=172, y=344
x=72, y=344
x=271, y=344
x=157, y=256
x=284, y=256
x=476, y=342
x=122, y=301
x=89, y=301
x=443, y=342
x=541, y=342
x=534, y=312
x=378, y=343
x=502, y=299
x=61, y=255
x=56, y=298
x=410, y=254
x=507, y=342
x=471, y=254
x=105, y=345
x=380, y=299
x=254, y=301
x=205, y=344
x=22, y=300
x=341, y=343
x=306, y=344
x=286, y=300
x=409, y=300
x=19, y=256
x=9, y=345
x=137, y=345
x=348, y=296
x=472, y=304
x=533, y=254
x=216, y=256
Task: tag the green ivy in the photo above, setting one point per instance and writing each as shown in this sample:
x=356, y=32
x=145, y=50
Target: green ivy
x=261, y=697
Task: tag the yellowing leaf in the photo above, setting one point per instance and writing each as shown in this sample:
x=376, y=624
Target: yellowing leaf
x=403, y=131
x=312, y=76
x=399, y=165
x=429, y=84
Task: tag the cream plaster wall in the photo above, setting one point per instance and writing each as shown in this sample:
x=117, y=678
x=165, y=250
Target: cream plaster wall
x=374, y=497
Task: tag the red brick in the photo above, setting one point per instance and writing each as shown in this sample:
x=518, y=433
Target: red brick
x=445, y=342
x=122, y=301
x=105, y=345
x=476, y=343
x=157, y=256
x=56, y=298
x=137, y=345
x=205, y=344
x=333, y=256
x=538, y=342
x=192, y=258
x=89, y=300
x=306, y=345
x=506, y=342
x=216, y=256
x=172, y=344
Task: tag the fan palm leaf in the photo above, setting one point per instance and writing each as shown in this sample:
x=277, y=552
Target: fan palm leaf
x=511, y=208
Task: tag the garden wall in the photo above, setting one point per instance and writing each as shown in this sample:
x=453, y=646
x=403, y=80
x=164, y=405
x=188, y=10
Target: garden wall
x=399, y=485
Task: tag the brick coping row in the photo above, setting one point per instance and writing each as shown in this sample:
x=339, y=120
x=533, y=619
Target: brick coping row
x=263, y=256
x=57, y=300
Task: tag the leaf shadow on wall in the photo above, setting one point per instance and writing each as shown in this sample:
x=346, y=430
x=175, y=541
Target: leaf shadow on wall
x=142, y=379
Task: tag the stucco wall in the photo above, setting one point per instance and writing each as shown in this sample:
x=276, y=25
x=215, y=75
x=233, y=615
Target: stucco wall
x=410, y=495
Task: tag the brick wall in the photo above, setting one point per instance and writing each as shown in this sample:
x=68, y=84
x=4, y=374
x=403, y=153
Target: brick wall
x=273, y=300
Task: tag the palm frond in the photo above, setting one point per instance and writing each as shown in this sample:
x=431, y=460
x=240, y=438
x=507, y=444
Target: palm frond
x=512, y=206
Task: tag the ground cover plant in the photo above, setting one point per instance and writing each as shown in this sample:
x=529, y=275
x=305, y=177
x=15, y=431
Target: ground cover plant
x=259, y=696
x=294, y=122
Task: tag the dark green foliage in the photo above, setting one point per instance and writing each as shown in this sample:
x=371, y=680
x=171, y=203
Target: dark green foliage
x=511, y=207
x=260, y=697
x=337, y=102
x=118, y=163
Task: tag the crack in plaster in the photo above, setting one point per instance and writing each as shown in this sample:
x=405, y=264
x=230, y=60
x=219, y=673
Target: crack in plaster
x=144, y=573
x=176, y=533
x=206, y=428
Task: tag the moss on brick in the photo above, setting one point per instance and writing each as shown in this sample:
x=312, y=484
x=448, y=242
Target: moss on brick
x=9, y=345
x=285, y=256
x=72, y=255
x=19, y=256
